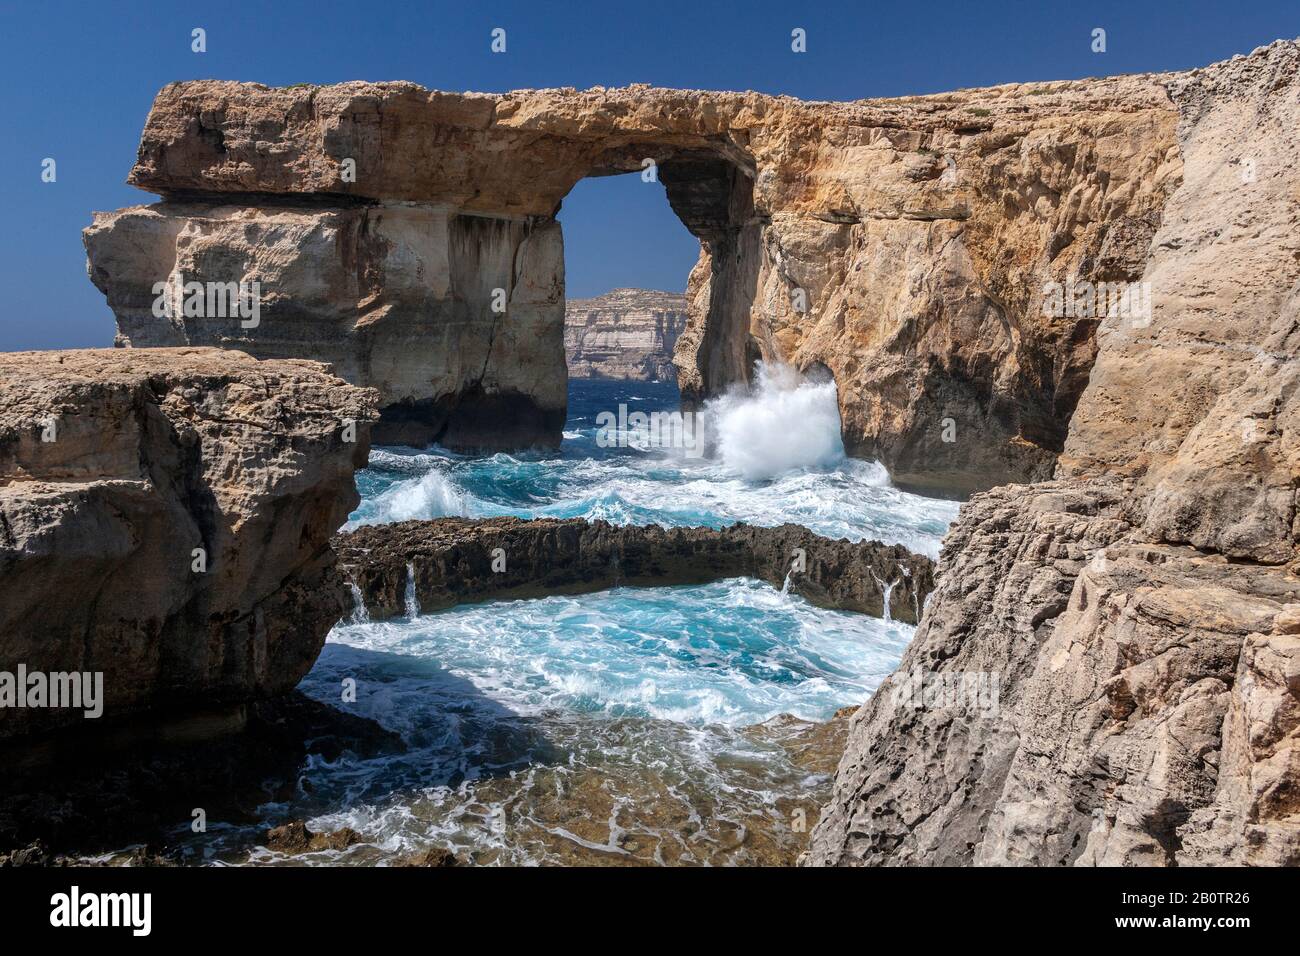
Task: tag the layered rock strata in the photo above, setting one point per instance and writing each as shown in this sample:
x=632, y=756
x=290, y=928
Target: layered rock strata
x=626, y=334
x=904, y=244
x=458, y=560
x=1142, y=612
x=165, y=521
x=455, y=320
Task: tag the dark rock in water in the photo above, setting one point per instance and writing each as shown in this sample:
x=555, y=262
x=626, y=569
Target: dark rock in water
x=139, y=792
x=295, y=837
x=165, y=522
x=460, y=560
x=437, y=856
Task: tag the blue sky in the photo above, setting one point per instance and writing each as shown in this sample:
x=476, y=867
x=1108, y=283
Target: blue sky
x=77, y=81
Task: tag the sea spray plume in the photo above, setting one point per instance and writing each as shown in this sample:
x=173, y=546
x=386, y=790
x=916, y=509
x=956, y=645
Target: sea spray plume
x=785, y=423
x=433, y=494
x=852, y=498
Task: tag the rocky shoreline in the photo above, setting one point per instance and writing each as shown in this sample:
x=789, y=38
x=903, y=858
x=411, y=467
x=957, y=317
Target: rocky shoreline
x=1125, y=572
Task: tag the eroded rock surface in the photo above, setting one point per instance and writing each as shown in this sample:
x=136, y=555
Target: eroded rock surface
x=1141, y=612
x=452, y=562
x=625, y=334
x=115, y=466
x=904, y=244
x=394, y=296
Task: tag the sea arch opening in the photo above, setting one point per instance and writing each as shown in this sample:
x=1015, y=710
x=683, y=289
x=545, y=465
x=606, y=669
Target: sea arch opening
x=712, y=195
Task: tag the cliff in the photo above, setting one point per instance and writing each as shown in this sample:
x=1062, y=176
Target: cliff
x=907, y=245
x=624, y=334
x=1142, y=610
x=165, y=521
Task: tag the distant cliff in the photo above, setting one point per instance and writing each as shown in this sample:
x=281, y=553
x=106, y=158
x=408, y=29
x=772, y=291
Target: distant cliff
x=627, y=334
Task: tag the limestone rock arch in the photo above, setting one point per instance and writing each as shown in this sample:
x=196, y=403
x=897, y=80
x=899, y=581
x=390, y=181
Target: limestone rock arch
x=900, y=243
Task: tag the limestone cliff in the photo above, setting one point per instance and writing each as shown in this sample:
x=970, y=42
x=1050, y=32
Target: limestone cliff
x=165, y=519
x=394, y=296
x=624, y=334
x=1142, y=611
x=904, y=244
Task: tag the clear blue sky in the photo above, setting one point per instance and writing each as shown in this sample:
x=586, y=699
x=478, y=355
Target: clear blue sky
x=77, y=81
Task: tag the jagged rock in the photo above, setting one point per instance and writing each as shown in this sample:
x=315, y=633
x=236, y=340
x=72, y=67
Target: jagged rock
x=295, y=837
x=1116, y=664
x=34, y=854
x=624, y=334
x=903, y=244
x=437, y=856
x=115, y=465
x=452, y=562
x=1140, y=611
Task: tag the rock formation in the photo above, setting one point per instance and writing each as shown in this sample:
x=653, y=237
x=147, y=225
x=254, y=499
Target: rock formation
x=452, y=562
x=904, y=244
x=398, y=297
x=165, y=520
x=1142, y=611
x=624, y=334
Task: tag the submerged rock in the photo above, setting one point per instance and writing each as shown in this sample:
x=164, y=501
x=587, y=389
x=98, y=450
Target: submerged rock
x=437, y=856
x=295, y=837
x=165, y=523
x=454, y=561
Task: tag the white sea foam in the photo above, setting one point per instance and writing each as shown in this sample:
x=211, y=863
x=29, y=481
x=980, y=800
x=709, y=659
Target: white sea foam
x=431, y=495
x=779, y=460
x=672, y=654
x=783, y=424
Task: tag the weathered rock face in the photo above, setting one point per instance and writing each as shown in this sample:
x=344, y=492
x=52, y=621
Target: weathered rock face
x=1200, y=403
x=395, y=296
x=904, y=244
x=458, y=560
x=115, y=466
x=624, y=334
x=1142, y=612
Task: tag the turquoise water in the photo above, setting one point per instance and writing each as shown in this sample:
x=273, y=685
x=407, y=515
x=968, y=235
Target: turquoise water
x=549, y=730
x=819, y=488
x=736, y=652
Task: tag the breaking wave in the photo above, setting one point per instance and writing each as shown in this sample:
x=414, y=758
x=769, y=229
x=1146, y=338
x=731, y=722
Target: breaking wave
x=778, y=459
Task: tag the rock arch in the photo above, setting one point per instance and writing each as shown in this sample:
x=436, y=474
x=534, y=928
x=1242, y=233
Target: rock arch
x=900, y=243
